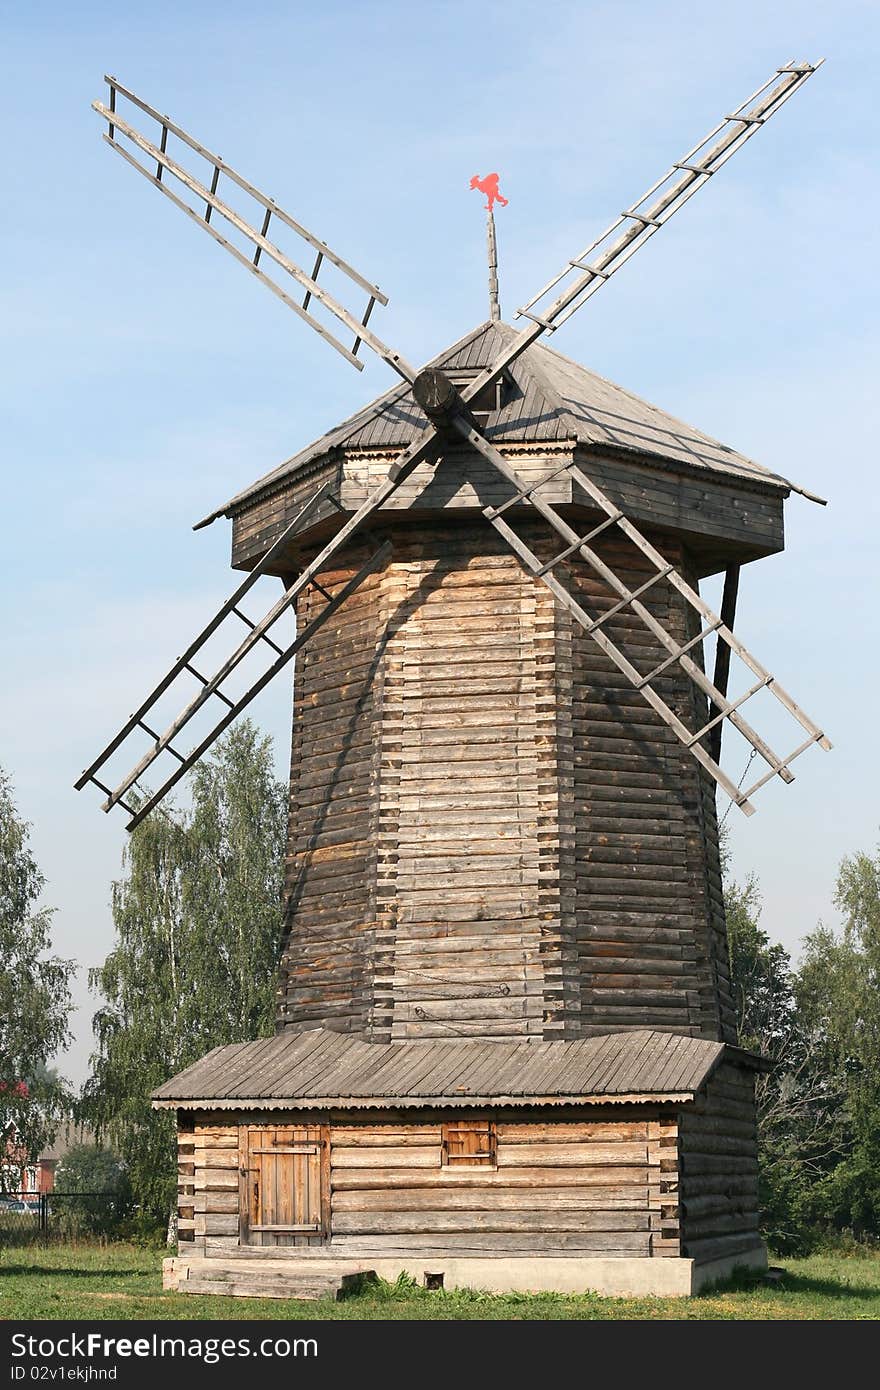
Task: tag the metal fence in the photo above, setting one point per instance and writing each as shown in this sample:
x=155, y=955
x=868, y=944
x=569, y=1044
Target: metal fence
x=27, y=1217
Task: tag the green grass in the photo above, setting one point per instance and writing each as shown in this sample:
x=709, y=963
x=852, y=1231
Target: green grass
x=123, y=1281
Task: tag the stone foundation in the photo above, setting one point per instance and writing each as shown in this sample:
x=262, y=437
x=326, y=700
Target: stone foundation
x=320, y=1275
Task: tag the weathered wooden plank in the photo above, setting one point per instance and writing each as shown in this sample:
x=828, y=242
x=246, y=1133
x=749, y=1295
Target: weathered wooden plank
x=495, y=1242
x=565, y=1155
x=417, y=1156
x=530, y=1179
x=493, y=1198
x=216, y=1201
x=556, y=1132
x=216, y=1179
x=719, y=1247
x=422, y=1222
x=212, y=1223
x=384, y=1137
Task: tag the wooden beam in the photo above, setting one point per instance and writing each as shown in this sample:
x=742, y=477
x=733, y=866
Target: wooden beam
x=722, y=656
x=213, y=203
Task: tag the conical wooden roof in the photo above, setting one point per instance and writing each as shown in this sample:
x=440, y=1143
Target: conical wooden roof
x=553, y=399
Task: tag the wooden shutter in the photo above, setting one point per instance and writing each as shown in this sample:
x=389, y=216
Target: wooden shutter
x=283, y=1197
x=469, y=1143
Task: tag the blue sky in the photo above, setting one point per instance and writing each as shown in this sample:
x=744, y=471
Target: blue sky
x=145, y=378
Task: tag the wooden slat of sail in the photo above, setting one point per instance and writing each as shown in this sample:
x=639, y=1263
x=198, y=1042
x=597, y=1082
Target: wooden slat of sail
x=269, y=204
x=629, y=599
x=586, y=273
x=118, y=125
x=202, y=192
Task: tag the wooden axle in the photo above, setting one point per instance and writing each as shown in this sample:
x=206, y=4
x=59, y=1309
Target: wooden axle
x=438, y=397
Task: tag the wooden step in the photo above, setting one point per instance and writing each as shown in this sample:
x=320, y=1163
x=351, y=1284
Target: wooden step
x=240, y=1280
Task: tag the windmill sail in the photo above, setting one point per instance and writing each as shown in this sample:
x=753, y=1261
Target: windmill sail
x=677, y=653
x=299, y=287
x=586, y=273
x=580, y=279
x=258, y=633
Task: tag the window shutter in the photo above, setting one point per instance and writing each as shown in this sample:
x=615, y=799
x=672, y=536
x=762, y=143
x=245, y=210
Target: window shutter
x=469, y=1143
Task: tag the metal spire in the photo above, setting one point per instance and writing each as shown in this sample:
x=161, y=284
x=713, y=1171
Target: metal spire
x=494, y=302
x=489, y=186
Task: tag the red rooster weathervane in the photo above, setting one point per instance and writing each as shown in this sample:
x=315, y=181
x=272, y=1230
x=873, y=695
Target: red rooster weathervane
x=489, y=186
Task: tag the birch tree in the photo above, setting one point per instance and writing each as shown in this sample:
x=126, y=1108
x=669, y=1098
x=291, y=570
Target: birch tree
x=839, y=999
x=198, y=922
x=34, y=991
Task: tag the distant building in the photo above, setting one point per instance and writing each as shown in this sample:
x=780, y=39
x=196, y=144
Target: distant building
x=32, y=1177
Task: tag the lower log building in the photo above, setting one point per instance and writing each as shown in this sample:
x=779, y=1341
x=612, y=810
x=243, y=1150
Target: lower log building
x=313, y=1157
x=506, y=1048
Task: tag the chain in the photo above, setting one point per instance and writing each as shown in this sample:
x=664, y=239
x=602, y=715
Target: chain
x=738, y=785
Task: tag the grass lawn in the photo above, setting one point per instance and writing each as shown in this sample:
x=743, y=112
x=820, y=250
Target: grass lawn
x=122, y=1281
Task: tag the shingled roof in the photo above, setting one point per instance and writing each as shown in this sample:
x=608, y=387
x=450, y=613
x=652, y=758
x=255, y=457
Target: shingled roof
x=554, y=400
x=317, y=1068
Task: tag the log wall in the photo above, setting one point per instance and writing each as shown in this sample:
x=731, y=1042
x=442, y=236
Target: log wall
x=649, y=921
x=600, y=1182
x=491, y=832
x=719, y=1167
x=328, y=963
x=208, y=1182
x=461, y=854
x=186, y=1180
x=727, y=519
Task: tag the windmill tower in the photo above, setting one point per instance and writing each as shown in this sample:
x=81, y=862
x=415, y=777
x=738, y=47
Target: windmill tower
x=505, y=1052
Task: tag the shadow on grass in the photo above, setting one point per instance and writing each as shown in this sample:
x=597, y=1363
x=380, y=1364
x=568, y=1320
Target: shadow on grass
x=71, y=1273
x=754, y=1282
x=744, y=1281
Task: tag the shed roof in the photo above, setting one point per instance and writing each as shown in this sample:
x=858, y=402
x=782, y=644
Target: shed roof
x=555, y=399
x=317, y=1068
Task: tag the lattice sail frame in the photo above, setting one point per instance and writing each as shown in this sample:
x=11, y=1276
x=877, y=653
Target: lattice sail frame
x=677, y=653
x=117, y=125
x=694, y=172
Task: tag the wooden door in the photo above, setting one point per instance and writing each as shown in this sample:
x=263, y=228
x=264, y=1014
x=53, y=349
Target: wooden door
x=284, y=1187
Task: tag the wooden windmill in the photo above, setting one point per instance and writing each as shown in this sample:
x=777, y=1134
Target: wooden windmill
x=505, y=1050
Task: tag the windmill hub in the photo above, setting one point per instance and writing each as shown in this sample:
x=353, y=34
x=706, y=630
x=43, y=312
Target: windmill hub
x=437, y=395
x=506, y=1038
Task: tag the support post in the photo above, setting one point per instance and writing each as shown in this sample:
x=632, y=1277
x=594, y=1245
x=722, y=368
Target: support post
x=722, y=656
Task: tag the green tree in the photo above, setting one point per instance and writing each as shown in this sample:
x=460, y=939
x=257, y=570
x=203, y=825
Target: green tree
x=198, y=922
x=798, y=1100
x=97, y=1180
x=762, y=982
x=839, y=996
x=34, y=990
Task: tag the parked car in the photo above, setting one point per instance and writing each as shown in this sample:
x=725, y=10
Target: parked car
x=18, y=1207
